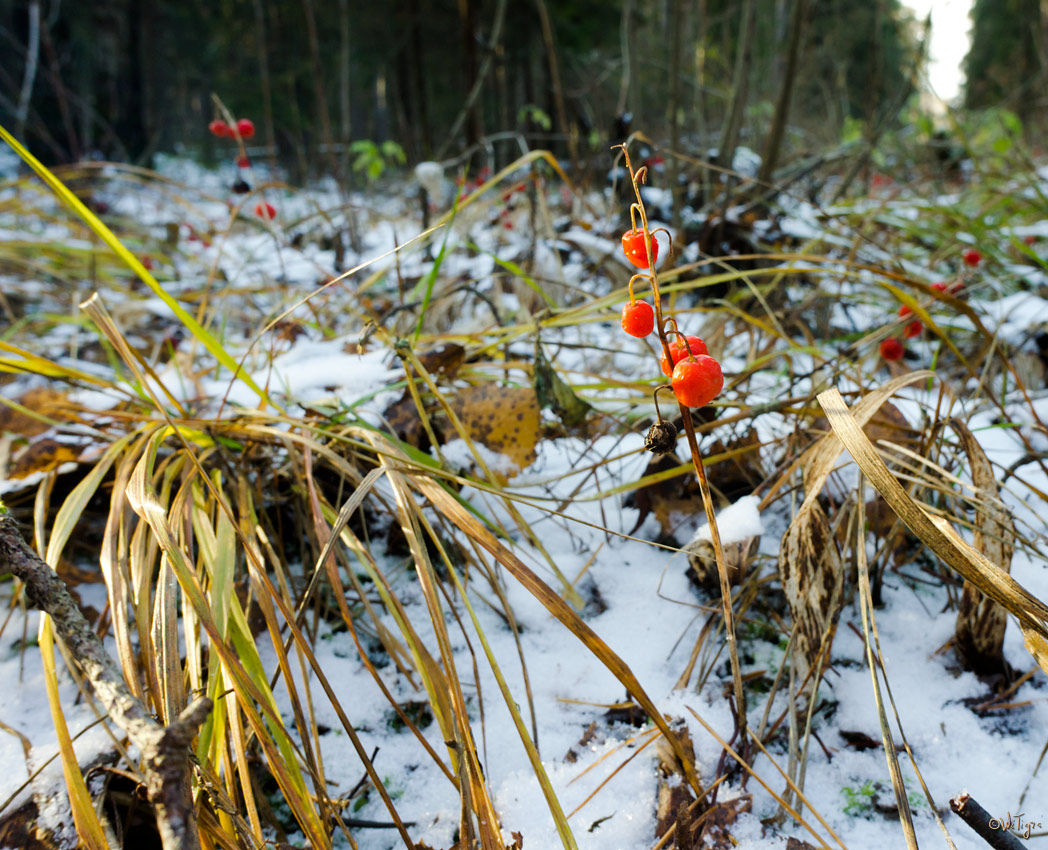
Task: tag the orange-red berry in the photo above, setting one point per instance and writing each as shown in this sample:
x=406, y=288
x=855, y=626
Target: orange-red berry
x=891, y=349
x=678, y=352
x=940, y=286
x=904, y=311
x=220, y=129
x=243, y=162
x=266, y=211
x=697, y=382
x=913, y=329
x=635, y=250
x=638, y=318
x=971, y=257
x=246, y=128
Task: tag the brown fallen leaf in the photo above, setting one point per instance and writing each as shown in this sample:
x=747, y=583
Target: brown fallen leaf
x=505, y=419
x=42, y=456
x=42, y=400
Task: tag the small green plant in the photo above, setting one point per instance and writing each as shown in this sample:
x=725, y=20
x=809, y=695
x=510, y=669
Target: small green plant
x=859, y=801
x=373, y=159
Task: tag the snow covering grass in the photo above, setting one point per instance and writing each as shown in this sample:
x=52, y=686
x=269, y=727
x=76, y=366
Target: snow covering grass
x=335, y=363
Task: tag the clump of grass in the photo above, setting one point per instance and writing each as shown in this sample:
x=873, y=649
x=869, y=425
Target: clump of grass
x=234, y=541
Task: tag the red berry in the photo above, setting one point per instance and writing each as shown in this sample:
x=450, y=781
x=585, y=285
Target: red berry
x=697, y=382
x=638, y=318
x=891, y=349
x=939, y=287
x=246, y=128
x=636, y=252
x=904, y=311
x=678, y=352
x=955, y=287
x=972, y=257
x=220, y=129
x=913, y=329
x=243, y=162
x=266, y=211
x=147, y=262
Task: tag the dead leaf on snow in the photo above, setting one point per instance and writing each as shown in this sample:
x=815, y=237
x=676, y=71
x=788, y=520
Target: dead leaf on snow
x=42, y=456
x=506, y=420
x=47, y=402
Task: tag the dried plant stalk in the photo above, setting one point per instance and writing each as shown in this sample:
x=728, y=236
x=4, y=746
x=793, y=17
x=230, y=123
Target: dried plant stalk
x=979, y=635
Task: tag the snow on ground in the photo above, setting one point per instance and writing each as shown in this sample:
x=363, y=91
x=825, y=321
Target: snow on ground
x=651, y=614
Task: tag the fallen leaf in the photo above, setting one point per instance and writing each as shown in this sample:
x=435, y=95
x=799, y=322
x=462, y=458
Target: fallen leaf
x=505, y=419
x=46, y=402
x=43, y=456
x=444, y=359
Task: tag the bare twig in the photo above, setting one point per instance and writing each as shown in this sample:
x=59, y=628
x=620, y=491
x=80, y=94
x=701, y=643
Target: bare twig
x=989, y=828
x=165, y=750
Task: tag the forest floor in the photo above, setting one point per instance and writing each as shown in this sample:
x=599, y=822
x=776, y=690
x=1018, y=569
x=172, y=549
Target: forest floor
x=467, y=410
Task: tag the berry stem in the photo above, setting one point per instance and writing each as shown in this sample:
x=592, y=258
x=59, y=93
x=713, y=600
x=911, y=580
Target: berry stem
x=633, y=299
x=636, y=178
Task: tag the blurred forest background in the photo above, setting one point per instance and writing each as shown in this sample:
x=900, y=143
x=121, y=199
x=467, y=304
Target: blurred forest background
x=124, y=79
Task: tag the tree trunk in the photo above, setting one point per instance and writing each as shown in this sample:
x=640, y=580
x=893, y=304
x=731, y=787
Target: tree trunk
x=319, y=92
x=782, y=105
x=32, y=54
x=675, y=27
x=469, y=108
x=554, y=76
x=740, y=86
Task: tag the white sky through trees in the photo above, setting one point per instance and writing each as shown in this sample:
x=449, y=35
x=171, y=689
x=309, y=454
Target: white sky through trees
x=950, y=39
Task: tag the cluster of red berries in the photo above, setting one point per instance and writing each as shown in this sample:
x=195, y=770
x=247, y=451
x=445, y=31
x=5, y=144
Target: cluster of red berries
x=696, y=378
x=241, y=130
x=892, y=348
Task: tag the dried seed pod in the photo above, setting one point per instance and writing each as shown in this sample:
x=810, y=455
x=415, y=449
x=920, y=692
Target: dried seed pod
x=661, y=438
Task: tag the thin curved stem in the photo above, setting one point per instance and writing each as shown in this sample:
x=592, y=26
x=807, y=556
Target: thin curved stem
x=637, y=177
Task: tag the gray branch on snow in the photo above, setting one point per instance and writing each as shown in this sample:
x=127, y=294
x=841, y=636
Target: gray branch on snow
x=992, y=830
x=165, y=750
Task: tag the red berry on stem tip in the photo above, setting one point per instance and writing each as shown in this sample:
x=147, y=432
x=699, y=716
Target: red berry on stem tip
x=891, y=349
x=972, y=257
x=266, y=211
x=678, y=352
x=697, y=382
x=940, y=286
x=638, y=318
x=220, y=129
x=636, y=252
x=904, y=311
x=913, y=329
x=243, y=162
x=246, y=128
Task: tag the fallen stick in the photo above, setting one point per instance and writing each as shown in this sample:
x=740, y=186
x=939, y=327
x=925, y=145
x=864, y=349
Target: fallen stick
x=997, y=836
x=165, y=749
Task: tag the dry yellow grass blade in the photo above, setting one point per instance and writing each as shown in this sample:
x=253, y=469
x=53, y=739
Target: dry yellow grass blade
x=809, y=561
x=563, y=829
x=936, y=533
x=981, y=622
x=240, y=660
x=866, y=609
x=743, y=764
x=88, y=827
x=464, y=755
x=476, y=531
